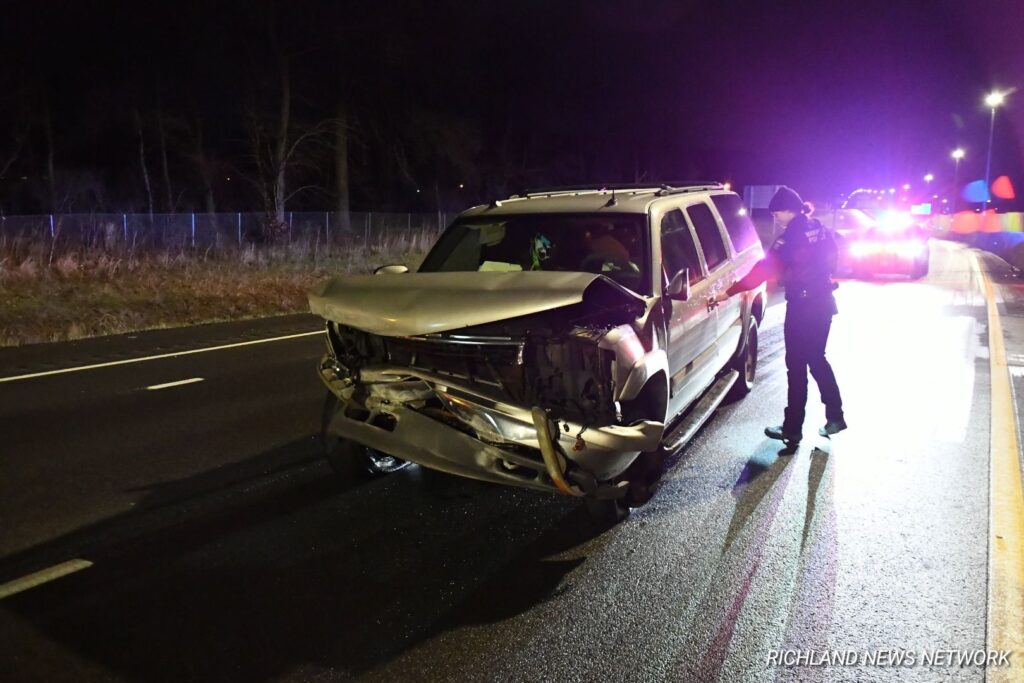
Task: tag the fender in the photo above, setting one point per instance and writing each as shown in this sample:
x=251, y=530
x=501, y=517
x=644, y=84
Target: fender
x=644, y=369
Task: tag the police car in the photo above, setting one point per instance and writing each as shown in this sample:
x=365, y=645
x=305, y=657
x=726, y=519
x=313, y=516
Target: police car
x=875, y=238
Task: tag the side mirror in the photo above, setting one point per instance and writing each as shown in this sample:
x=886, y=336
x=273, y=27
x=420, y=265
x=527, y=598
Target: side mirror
x=391, y=270
x=679, y=286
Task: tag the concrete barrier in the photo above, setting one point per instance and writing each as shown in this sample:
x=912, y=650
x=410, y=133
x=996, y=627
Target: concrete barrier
x=999, y=233
x=1015, y=256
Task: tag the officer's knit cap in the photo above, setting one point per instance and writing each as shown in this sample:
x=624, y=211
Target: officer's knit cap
x=786, y=199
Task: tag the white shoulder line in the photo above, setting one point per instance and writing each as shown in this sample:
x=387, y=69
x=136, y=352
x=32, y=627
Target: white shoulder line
x=126, y=361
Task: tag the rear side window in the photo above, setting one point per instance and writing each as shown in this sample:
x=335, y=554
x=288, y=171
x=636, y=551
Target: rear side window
x=737, y=222
x=678, y=250
x=708, y=233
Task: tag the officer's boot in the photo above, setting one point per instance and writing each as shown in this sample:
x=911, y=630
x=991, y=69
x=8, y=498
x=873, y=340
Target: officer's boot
x=786, y=431
x=832, y=427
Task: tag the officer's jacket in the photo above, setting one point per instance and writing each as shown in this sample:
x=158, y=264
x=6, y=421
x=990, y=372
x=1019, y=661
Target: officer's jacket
x=803, y=258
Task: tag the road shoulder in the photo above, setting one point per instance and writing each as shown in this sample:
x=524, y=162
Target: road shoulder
x=1006, y=518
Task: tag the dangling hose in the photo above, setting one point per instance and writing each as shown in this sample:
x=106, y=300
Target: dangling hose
x=547, y=450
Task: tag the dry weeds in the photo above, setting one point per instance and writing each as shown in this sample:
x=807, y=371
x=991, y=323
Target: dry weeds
x=91, y=293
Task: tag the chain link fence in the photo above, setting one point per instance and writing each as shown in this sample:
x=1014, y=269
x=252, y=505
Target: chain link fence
x=302, y=232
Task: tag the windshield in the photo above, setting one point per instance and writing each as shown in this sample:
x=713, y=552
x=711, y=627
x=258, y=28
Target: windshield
x=849, y=220
x=870, y=203
x=614, y=245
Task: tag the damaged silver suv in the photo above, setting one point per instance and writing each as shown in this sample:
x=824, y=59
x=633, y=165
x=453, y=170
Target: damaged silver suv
x=565, y=340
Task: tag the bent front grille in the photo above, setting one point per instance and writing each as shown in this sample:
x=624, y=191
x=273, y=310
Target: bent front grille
x=492, y=361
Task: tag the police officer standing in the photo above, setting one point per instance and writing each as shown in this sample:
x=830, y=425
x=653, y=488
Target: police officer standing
x=803, y=258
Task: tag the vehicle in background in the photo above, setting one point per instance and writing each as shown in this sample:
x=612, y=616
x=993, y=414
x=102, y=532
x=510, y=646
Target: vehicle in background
x=563, y=340
x=898, y=250
x=848, y=225
x=876, y=237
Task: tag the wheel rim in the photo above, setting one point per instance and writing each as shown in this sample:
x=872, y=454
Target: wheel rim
x=384, y=463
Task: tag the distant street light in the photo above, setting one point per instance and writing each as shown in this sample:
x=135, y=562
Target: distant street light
x=957, y=155
x=993, y=100
x=906, y=186
x=929, y=177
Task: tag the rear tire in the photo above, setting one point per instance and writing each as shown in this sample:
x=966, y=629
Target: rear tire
x=746, y=364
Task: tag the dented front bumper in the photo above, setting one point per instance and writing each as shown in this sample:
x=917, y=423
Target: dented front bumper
x=438, y=422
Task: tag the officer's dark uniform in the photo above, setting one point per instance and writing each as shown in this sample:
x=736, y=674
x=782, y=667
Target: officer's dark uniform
x=803, y=258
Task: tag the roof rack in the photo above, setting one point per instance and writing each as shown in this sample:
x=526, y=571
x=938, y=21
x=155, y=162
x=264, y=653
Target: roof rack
x=659, y=188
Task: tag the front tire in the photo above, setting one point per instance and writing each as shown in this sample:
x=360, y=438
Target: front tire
x=348, y=459
x=606, y=511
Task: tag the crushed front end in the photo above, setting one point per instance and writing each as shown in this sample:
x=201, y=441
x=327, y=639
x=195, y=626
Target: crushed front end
x=531, y=402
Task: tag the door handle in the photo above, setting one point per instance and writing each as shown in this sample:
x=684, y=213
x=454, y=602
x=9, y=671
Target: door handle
x=712, y=304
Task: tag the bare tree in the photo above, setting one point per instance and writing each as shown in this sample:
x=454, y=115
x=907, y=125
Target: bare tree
x=162, y=138
x=18, y=138
x=142, y=161
x=341, y=169
x=280, y=158
x=51, y=181
x=12, y=153
x=439, y=147
x=204, y=163
x=279, y=148
x=80, y=191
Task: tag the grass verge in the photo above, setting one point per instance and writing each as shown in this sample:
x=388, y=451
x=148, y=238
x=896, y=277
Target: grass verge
x=93, y=293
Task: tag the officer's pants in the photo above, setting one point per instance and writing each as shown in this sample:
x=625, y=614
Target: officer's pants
x=806, y=332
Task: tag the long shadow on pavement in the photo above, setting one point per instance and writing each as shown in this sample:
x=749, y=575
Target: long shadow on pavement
x=321, y=576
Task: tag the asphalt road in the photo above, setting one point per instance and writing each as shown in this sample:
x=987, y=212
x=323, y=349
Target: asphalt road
x=222, y=548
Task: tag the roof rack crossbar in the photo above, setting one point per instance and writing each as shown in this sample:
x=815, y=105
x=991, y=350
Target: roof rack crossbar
x=668, y=187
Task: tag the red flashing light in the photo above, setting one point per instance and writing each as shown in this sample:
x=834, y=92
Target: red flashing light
x=1003, y=188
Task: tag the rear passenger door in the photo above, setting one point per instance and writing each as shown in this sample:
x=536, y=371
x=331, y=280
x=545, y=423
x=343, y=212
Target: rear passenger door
x=718, y=259
x=746, y=251
x=692, y=329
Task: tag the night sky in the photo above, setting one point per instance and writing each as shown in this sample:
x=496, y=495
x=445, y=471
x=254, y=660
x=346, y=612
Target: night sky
x=826, y=97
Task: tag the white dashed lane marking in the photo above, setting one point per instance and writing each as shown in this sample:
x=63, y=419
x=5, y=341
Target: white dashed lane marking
x=179, y=383
x=42, y=576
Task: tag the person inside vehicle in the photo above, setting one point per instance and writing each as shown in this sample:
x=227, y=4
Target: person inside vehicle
x=608, y=253
x=803, y=259
x=601, y=241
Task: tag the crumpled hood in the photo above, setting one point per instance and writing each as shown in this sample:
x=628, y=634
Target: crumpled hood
x=411, y=304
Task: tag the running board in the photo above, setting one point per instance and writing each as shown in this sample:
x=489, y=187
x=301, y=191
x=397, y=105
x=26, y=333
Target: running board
x=700, y=412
